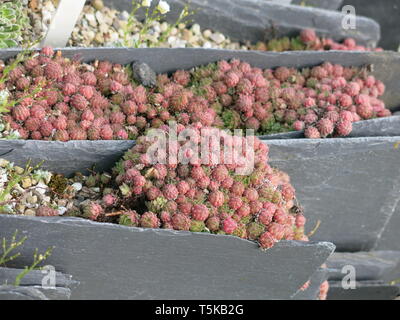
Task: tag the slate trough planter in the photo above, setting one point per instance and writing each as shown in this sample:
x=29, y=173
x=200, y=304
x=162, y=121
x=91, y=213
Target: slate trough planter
x=117, y=262
x=352, y=185
x=256, y=20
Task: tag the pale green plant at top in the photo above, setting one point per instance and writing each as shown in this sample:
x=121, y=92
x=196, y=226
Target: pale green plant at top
x=150, y=15
x=183, y=18
x=12, y=21
x=8, y=254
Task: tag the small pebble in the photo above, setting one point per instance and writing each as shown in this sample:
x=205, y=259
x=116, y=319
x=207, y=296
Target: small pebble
x=77, y=186
x=97, y=4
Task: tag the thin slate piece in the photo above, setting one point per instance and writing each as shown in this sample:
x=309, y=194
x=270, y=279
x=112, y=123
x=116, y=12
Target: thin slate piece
x=117, y=262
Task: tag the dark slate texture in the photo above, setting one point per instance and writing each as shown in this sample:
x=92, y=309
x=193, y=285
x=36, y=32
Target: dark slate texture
x=33, y=278
x=365, y=290
x=386, y=13
x=389, y=239
x=312, y=292
x=21, y=293
x=380, y=127
x=116, y=262
x=254, y=20
x=386, y=64
x=375, y=265
x=351, y=185
x=323, y=4
x=65, y=157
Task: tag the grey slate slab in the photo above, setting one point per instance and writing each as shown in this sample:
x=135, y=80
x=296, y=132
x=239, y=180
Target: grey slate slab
x=35, y=277
x=375, y=265
x=33, y=293
x=254, y=20
x=161, y=60
x=323, y=4
x=365, y=290
x=21, y=293
x=312, y=292
x=116, y=262
x=389, y=239
x=351, y=185
x=58, y=293
x=65, y=157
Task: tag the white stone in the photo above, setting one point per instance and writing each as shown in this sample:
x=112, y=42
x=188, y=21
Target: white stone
x=123, y=16
x=207, y=33
x=196, y=29
x=62, y=210
x=91, y=19
x=77, y=186
x=100, y=17
x=218, y=38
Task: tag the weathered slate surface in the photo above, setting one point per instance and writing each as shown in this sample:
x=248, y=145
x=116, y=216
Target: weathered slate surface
x=351, y=185
x=21, y=293
x=375, y=265
x=324, y=4
x=33, y=282
x=365, y=290
x=116, y=262
x=254, y=20
x=35, y=277
x=312, y=292
x=65, y=157
x=389, y=239
x=386, y=64
x=381, y=127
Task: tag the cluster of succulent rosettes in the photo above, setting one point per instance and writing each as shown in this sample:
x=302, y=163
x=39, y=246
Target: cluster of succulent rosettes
x=308, y=40
x=77, y=101
x=324, y=100
x=212, y=197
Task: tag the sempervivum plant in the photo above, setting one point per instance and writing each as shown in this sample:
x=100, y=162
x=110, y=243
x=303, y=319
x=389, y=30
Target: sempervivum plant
x=324, y=100
x=12, y=21
x=78, y=101
x=308, y=40
x=227, y=195
x=99, y=101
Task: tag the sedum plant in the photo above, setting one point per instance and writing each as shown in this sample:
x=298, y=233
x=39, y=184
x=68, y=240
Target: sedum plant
x=12, y=21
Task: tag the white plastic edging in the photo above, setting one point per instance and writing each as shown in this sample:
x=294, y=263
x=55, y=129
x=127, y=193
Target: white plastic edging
x=63, y=23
